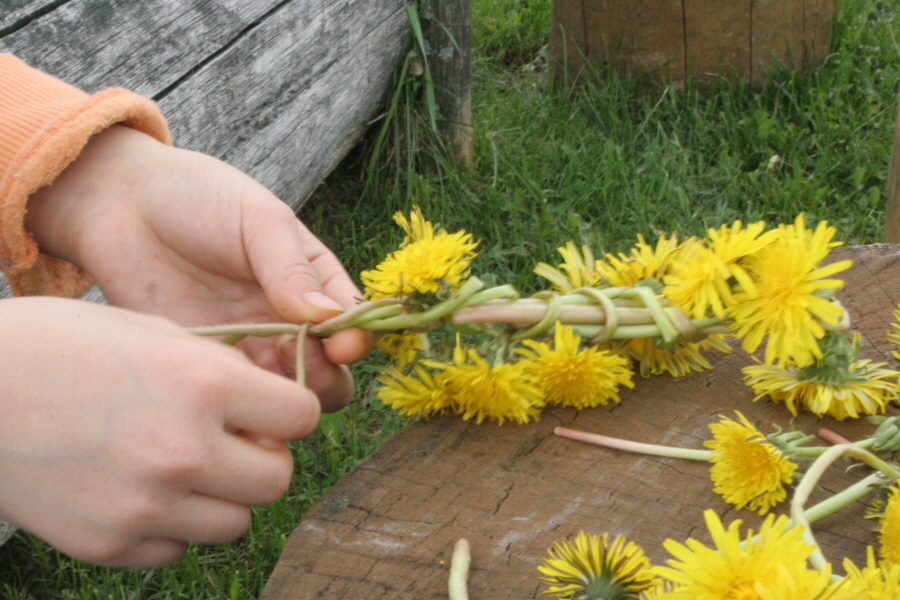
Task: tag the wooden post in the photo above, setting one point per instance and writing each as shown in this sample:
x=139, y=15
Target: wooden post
x=671, y=39
x=892, y=209
x=448, y=36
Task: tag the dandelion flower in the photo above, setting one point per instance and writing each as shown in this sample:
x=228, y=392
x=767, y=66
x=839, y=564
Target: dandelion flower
x=679, y=359
x=699, y=283
x=644, y=262
x=874, y=581
x=758, y=569
x=568, y=377
x=503, y=392
x=787, y=303
x=893, y=335
x=426, y=262
x=866, y=390
x=402, y=347
x=415, y=395
x=579, y=269
x=593, y=569
x=747, y=470
x=700, y=279
x=889, y=533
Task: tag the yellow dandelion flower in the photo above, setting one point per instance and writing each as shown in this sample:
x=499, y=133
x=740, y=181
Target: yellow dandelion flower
x=503, y=392
x=747, y=470
x=593, y=569
x=889, y=533
x=874, y=581
x=568, y=377
x=787, y=305
x=753, y=570
x=893, y=335
x=426, y=262
x=698, y=282
x=677, y=360
x=579, y=269
x=866, y=391
x=700, y=278
x=403, y=347
x=415, y=395
x=643, y=262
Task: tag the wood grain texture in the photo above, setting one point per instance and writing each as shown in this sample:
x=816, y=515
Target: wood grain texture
x=279, y=88
x=388, y=528
x=448, y=37
x=670, y=39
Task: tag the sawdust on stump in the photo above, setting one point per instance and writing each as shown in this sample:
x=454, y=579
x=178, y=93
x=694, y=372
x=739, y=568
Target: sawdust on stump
x=387, y=530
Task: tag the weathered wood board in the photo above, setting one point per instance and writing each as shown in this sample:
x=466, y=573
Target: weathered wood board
x=671, y=39
x=386, y=531
x=280, y=89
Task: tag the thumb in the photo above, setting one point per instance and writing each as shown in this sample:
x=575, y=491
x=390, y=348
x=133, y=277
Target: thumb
x=281, y=261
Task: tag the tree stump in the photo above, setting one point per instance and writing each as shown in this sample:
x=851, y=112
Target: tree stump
x=673, y=39
x=387, y=530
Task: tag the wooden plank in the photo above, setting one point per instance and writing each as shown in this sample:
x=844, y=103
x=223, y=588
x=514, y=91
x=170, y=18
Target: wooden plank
x=279, y=88
x=717, y=37
x=386, y=530
x=776, y=35
x=301, y=89
x=568, y=45
x=16, y=13
x=818, y=20
x=145, y=46
x=449, y=39
x=643, y=36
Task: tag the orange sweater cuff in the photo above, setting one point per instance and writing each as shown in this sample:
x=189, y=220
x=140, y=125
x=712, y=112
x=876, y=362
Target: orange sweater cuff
x=44, y=124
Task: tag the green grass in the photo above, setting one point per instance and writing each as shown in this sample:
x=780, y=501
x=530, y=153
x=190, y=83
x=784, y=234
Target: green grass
x=596, y=164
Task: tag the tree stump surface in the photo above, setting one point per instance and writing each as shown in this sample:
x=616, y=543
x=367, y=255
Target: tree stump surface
x=388, y=528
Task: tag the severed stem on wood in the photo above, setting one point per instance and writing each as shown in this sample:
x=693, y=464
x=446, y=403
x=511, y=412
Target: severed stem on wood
x=457, y=582
x=629, y=446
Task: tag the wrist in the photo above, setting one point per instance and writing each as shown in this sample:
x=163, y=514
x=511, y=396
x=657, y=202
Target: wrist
x=106, y=172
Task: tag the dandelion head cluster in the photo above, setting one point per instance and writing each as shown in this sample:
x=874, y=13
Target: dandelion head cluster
x=747, y=470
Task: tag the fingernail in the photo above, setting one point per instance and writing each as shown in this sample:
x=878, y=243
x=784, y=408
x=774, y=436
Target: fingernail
x=320, y=300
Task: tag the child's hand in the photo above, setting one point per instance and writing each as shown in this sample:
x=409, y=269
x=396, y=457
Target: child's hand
x=122, y=437
x=186, y=236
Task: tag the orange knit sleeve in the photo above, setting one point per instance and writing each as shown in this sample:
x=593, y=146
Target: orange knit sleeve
x=44, y=124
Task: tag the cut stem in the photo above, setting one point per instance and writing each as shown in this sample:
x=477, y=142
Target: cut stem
x=457, y=582
x=629, y=446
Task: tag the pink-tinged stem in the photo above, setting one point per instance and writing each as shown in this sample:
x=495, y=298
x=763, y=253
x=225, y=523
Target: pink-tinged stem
x=832, y=437
x=629, y=446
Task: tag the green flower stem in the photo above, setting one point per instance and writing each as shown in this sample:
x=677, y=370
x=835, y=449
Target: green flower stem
x=811, y=478
x=457, y=582
x=801, y=495
x=500, y=292
x=629, y=446
x=844, y=498
x=406, y=321
x=812, y=451
x=386, y=307
x=300, y=358
x=243, y=330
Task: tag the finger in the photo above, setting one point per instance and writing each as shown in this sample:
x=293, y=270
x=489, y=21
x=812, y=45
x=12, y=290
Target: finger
x=244, y=471
x=264, y=403
x=148, y=554
x=348, y=345
x=276, y=254
x=328, y=269
x=204, y=520
x=332, y=383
